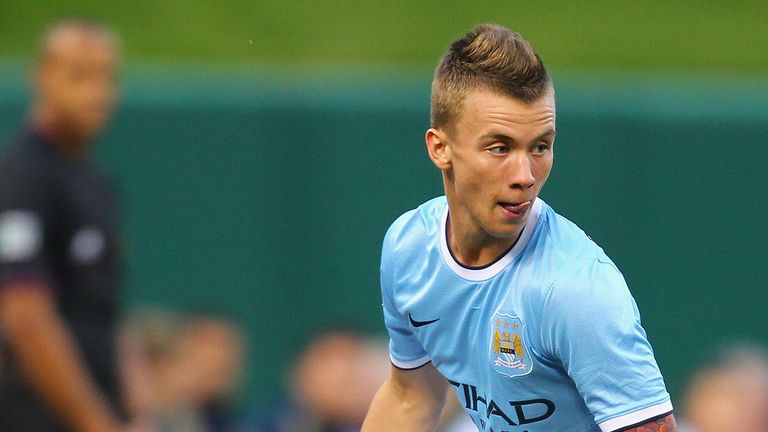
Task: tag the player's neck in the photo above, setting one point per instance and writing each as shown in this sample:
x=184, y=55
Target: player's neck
x=471, y=245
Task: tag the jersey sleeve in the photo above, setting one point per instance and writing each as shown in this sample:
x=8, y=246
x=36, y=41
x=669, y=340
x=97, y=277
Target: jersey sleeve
x=23, y=213
x=405, y=351
x=591, y=325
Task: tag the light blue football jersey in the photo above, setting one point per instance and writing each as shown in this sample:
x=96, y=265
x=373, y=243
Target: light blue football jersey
x=545, y=339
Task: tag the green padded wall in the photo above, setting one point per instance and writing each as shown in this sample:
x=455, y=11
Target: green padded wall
x=265, y=198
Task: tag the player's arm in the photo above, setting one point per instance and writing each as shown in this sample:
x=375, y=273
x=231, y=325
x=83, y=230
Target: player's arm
x=664, y=424
x=624, y=390
x=409, y=401
x=46, y=353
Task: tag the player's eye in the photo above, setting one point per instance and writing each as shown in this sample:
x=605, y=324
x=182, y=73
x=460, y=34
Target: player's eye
x=540, y=148
x=499, y=149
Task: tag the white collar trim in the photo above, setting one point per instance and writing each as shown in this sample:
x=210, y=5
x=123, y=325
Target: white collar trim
x=493, y=269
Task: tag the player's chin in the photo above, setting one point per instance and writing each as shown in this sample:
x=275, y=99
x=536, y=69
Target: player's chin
x=506, y=229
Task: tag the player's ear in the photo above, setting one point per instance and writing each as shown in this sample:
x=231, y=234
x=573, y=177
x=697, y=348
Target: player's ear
x=438, y=148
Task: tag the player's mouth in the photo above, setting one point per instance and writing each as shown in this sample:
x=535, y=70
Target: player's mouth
x=515, y=210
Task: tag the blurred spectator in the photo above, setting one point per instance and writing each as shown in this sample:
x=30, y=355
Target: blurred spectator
x=334, y=382
x=59, y=245
x=731, y=394
x=181, y=370
x=336, y=379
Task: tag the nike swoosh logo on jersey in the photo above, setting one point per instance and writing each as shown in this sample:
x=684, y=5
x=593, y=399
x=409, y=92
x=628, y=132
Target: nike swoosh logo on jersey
x=420, y=323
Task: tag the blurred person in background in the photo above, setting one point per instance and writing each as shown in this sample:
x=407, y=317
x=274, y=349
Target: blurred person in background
x=59, y=246
x=333, y=383
x=181, y=370
x=335, y=380
x=730, y=394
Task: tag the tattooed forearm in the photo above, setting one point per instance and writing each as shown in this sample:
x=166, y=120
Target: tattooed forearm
x=664, y=424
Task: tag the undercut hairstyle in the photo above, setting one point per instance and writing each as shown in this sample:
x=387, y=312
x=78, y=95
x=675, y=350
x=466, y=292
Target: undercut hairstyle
x=492, y=58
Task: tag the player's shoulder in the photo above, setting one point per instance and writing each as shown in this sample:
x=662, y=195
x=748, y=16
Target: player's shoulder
x=23, y=159
x=573, y=259
x=416, y=225
x=566, y=243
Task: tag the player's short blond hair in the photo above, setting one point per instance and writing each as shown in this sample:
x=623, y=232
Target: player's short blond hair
x=490, y=57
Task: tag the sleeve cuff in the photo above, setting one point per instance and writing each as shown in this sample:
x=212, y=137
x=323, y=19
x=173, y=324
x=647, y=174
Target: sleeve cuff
x=636, y=418
x=412, y=364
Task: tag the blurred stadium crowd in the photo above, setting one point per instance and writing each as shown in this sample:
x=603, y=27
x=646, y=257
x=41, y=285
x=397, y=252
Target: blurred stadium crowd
x=178, y=371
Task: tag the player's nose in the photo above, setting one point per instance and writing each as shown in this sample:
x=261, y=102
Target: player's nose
x=520, y=173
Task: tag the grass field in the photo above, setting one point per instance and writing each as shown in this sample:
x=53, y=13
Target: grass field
x=657, y=35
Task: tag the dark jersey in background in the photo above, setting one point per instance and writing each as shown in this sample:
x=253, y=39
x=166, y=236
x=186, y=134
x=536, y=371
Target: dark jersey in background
x=58, y=225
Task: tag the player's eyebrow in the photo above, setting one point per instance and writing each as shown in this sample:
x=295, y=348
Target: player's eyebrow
x=506, y=138
x=545, y=134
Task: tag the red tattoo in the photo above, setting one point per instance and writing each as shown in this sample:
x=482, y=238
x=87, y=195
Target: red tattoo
x=666, y=424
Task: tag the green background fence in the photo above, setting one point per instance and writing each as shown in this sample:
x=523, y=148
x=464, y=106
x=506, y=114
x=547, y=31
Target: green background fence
x=265, y=198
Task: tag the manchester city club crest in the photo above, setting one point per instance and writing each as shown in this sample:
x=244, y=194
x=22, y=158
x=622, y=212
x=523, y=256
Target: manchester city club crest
x=508, y=353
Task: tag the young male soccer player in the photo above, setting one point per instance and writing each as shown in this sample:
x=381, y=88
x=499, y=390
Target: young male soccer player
x=488, y=291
